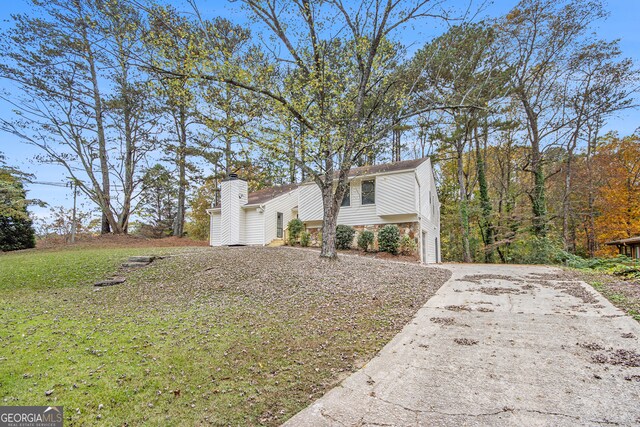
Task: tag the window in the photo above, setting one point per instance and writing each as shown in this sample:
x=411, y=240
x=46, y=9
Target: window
x=346, y=200
x=279, y=224
x=368, y=192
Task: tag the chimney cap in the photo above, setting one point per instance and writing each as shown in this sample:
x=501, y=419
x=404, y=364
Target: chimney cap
x=231, y=177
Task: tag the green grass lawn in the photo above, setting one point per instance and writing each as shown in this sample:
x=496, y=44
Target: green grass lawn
x=245, y=336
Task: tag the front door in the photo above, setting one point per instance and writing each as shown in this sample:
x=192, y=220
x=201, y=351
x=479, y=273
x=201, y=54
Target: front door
x=279, y=225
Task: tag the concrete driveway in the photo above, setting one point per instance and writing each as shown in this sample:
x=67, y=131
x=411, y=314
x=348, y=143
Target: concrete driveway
x=498, y=345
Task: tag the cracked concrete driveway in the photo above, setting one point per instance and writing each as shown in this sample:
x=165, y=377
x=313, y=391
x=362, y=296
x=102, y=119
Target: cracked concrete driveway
x=498, y=345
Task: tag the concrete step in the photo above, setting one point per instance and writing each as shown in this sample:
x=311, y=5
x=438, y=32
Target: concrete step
x=276, y=242
x=110, y=282
x=142, y=258
x=134, y=264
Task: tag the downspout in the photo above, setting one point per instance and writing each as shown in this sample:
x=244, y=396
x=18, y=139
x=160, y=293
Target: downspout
x=422, y=242
x=210, y=227
x=264, y=226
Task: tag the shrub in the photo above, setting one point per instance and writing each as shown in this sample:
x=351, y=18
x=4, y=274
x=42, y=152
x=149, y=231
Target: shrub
x=408, y=246
x=295, y=227
x=305, y=239
x=389, y=239
x=16, y=233
x=365, y=240
x=537, y=250
x=344, y=236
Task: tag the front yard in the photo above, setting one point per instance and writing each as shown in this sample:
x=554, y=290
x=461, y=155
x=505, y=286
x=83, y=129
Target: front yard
x=221, y=336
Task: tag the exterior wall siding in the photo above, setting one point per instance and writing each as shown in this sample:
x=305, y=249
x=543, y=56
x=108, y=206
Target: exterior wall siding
x=214, y=231
x=253, y=227
x=395, y=194
x=310, y=203
x=233, y=194
x=284, y=204
x=400, y=185
x=429, y=214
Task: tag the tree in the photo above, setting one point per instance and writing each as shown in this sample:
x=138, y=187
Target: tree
x=618, y=201
x=61, y=222
x=600, y=84
x=175, y=46
x=204, y=198
x=462, y=67
x=540, y=37
x=16, y=231
x=158, y=206
x=64, y=61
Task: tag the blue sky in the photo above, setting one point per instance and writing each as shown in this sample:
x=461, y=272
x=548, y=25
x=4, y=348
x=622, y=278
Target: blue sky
x=621, y=24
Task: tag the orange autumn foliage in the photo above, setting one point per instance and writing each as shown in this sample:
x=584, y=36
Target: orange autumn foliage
x=618, y=200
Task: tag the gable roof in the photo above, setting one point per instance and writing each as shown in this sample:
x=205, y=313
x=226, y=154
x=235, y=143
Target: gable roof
x=630, y=240
x=266, y=194
x=387, y=167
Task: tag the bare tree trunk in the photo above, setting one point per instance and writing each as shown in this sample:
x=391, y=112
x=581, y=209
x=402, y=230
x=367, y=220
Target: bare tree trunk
x=181, y=160
x=130, y=143
x=331, y=201
x=538, y=202
x=569, y=245
x=329, y=223
x=592, y=243
x=103, y=195
x=292, y=154
x=487, y=223
x=396, y=135
x=464, y=209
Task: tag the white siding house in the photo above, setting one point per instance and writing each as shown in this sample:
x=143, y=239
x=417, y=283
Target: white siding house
x=401, y=193
x=256, y=218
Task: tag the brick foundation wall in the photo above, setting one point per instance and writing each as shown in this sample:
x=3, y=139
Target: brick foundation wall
x=411, y=229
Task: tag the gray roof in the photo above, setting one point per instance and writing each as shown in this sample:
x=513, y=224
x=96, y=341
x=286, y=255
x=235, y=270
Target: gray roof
x=387, y=167
x=266, y=194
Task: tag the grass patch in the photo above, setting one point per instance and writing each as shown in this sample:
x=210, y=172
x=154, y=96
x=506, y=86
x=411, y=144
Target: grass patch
x=624, y=294
x=244, y=336
x=49, y=269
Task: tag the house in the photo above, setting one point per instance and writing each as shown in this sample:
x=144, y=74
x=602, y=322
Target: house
x=401, y=193
x=629, y=247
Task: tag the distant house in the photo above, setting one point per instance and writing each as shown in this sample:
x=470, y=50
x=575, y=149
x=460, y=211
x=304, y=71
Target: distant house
x=401, y=193
x=629, y=247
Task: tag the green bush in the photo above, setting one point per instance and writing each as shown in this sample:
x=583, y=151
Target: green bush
x=305, y=239
x=16, y=234
x=537, y=250
x=408, y=246
x=344, y=236
x=389, y=239
x=365, y=240
x=295, y=227
x=619, y=265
